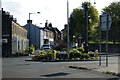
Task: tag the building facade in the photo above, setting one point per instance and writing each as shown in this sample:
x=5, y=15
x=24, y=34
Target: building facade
x=48, y=34
x=57, y=36
x=19, y=37
x=35, y=34
x=14, y=37
x=52, y=35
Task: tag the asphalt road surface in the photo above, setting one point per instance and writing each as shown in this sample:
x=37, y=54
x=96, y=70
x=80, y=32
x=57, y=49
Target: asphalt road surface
x=19, y=68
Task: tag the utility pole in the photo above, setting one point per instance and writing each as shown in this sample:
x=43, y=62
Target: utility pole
x=68, y=41
x=0, y=33
x=0, y=40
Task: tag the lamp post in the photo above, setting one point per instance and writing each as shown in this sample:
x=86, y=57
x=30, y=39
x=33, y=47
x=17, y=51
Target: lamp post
x=68, y=41
x=86, y=7
x=29, y=30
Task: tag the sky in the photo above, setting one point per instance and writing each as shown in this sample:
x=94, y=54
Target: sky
x=55, y=11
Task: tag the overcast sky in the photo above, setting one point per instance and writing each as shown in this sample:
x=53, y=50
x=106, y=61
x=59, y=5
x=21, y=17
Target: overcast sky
x=55, y=11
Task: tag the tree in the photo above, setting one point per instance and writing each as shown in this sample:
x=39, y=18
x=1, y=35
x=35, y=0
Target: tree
x=114, y=10
x=77, y=22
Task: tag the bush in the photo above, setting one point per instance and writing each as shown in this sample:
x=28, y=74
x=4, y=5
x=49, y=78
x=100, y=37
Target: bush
x=40, y=56
x=62, y=56
x=20, y=53
x=43, y=55
x=85, y=56
x=74, y=53
x=64, y=49
x=91, y=54
x=80, y=49
x=49, y=54
x=31, y=49
x=57, y=54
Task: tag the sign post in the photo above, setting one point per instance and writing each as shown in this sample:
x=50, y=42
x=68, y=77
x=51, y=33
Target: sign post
x=105, y=24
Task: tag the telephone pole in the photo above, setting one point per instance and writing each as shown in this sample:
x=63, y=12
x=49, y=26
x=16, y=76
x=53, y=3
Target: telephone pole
x=68, y=41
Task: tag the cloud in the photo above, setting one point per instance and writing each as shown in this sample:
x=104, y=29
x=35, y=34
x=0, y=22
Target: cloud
x=14, y=7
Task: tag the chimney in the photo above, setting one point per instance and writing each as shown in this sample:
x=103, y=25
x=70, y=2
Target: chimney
x=46, y=24
x=15, y=19
x=29, y=21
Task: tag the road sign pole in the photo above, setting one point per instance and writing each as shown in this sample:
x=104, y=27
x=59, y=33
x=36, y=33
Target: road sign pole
x=107, y=42
x=100, y=44
x=105, y=25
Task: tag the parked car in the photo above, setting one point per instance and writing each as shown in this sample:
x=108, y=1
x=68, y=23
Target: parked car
x=62, y=52
x=62, y=55
x=46, y=47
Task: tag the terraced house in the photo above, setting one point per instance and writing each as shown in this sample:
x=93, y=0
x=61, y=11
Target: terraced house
x=19, y=37
x=14, y=36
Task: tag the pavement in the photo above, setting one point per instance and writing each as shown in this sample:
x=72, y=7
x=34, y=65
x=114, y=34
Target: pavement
x=113, y=65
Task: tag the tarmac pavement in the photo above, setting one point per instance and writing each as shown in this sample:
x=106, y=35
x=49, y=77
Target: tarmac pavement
x=113, y=64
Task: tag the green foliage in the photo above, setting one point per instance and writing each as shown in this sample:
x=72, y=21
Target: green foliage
x=74, y=54
x=85, y=56
x=64, y=49
x=40, y=56
x=114, y=10
x=20, y=53
x=80, y=49
x=103, y=42
x=49, y=54
x=91, y=54
x=46, y=55
x=77, y=20
x=32, y=48
x=62, y=56
x=57, y=54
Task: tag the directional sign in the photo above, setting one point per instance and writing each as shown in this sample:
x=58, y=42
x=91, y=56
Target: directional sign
x=105, y=21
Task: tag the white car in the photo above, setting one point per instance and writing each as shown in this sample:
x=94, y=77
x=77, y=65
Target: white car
x=46, y=48
x=62, y=52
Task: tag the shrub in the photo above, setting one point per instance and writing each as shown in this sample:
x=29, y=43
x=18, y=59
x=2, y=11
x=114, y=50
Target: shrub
x=44, y=55
x=57, y=54
x=80, y=49
x=85, y=56
x=32, y=48
x=20, y=53
x=40, y=56
x=74, y=53
x=64, y=49
x=62, y=56
x=49, y=54
x=91, y=54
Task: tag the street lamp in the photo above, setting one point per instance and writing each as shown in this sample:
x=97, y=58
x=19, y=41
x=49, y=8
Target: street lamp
x=68, y=41
x=29, y=28
x=86, y=7
x=33, y=13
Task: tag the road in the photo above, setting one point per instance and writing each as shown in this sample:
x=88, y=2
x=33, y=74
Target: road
x=19, y=68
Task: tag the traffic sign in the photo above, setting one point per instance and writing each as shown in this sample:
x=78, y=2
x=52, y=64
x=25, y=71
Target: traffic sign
x=105, y=24
x=105, y=21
